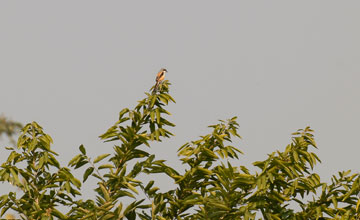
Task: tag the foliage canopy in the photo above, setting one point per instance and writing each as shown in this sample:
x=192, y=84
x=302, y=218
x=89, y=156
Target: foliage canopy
x=209, y=188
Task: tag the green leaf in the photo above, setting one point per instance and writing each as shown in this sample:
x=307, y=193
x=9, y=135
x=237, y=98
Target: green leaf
x=125, y=110
x=99, y=158
x=58, y=214
x=82, y=149
x=158, y=115
x=219, y=205
x=105, y=166
x=81, y=163
x=75, y=181
x=296, y=156
x=16, y=178
x=67, y=187
x=153, y=100
x=334, y=201
x=11, y=157
x=105, y=192
x=151, y=183
x=88, y=172
x=74, y=160
x=132, y=188
x=152, y=116
x=41, y=162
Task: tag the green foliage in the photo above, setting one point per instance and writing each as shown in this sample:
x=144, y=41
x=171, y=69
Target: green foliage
x=210, y=187
x=9, y=128
x=28, y=168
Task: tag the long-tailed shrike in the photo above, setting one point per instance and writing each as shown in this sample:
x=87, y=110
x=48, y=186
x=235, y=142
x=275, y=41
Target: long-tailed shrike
x=159, y=78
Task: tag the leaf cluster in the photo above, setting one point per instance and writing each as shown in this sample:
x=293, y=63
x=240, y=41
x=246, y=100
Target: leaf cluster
x=32, y=167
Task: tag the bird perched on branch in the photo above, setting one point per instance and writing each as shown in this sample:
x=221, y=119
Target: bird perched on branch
x=159, y=78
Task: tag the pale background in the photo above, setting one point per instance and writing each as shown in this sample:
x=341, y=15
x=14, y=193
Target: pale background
x=277, y=65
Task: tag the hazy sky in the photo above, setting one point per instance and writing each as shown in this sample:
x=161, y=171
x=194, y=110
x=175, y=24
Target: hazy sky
x=277, y=65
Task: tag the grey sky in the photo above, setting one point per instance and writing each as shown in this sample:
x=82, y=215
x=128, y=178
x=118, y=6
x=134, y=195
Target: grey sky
x=277, y=65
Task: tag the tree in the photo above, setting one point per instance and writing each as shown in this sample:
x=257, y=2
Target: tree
x=9, y=127
x=209, y=188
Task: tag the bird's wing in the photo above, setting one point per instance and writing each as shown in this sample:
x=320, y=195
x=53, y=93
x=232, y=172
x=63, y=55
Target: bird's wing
x=159, y=76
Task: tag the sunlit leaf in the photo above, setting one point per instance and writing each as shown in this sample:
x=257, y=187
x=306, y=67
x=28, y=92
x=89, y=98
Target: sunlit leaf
x=100, y=157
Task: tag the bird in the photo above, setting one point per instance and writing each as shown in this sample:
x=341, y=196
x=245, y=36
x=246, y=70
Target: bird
x=159, y=78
